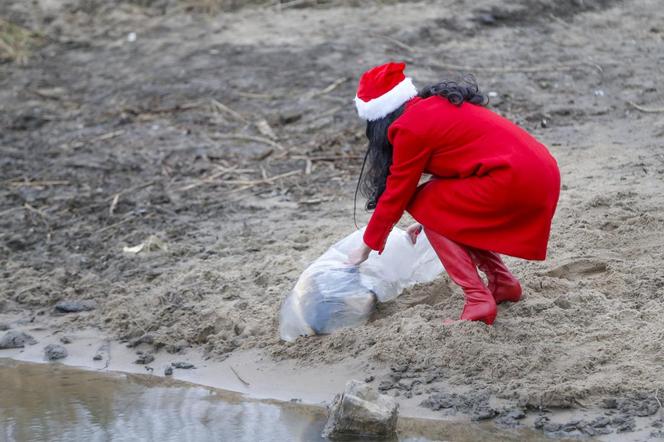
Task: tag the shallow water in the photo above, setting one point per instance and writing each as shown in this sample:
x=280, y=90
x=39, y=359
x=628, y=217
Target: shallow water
x=52, y=402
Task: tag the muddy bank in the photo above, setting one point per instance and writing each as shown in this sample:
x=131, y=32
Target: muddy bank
x=176, y=171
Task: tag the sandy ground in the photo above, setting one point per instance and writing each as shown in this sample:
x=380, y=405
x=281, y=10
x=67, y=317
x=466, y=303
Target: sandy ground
x=231, y=139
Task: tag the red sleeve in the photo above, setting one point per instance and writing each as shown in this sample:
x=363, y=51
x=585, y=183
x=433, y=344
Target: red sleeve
x=409, y=158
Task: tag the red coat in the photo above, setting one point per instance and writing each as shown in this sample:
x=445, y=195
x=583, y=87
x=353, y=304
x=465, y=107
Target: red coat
x=493, y=185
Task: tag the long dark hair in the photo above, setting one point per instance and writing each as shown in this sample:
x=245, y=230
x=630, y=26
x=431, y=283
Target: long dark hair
x=378, y=158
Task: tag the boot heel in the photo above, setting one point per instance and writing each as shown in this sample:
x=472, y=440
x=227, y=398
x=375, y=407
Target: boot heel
x=509, y=293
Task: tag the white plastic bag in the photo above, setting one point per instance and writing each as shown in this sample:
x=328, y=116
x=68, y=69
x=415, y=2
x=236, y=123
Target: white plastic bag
x=331, y=294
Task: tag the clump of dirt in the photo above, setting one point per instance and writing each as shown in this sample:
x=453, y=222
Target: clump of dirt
x=229, y=143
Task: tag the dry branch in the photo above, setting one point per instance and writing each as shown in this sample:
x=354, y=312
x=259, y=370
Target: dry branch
x=646, y=110
x=242, y=137
x=263, y=180
x=525, y=69
x=238, y=376
x=330, y=88
x=223, y=108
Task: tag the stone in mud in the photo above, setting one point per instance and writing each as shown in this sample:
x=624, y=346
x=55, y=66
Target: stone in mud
x=70, y=306
x=438, y=401
x=97, y=357
x=385, y=385
x=623, y=423
x=144, y=359
x=551, y=427
x=168, y=371
x=610, y=403
x=540, y=421
x=65, y=340
x=512, y=417
x=484, y=412
x=176, y=347
x=600, y=421
x=361, y=412
x=16, y=339
x=54, y=352
x=145, y=339
x=183, y=365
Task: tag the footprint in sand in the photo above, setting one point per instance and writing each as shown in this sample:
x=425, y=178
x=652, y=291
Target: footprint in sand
x=578, y=269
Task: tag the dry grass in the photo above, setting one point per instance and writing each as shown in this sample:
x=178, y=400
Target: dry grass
x=15, y=42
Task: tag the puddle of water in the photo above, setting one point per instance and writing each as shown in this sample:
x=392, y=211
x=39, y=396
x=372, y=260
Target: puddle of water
x=52, y=402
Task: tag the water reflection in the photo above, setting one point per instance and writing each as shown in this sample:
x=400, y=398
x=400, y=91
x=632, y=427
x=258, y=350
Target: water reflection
x=51, y=402
x=55, y=403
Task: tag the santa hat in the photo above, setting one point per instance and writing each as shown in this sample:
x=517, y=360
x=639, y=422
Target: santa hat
x=382, y=90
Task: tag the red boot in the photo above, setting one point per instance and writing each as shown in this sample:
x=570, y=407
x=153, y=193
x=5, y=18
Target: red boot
x=502, y=284
x=480, y=305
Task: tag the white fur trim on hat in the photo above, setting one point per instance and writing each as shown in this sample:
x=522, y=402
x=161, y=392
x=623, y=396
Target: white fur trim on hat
x=379, y=107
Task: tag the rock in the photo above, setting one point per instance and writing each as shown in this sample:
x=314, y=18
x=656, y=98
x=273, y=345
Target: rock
x=145, y=339
x=438, y=401
x=175, y=348
x=610, y=403
x=70, y=306
x=551, y=427
x=362, y=413
x=97, y=357
x=4, y=326
x=369, y=379
x=65, y=340
x=183, y=365
x=483, y=413
x=385, y=385
x=144, y=359
x=168, y=371
x=600, y=421
x=16, y=339
x=623, y=423
x=54, y=352
x=540, y=421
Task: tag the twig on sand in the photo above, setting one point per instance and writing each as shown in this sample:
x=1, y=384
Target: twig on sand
x=115, y=224
x=116, y=197
x=327, y=158
x=526, y=69
x=242, y=137
x=114, y=204
x=38, y=183
x=646, y=110
x=657, y=398
x=284, y=5
x=259, y=96
x=223, y=108
x=330, y=88
x=263, y=180
x=43, y=217
x=37, y=211
x=401, y=44
x=239, y=378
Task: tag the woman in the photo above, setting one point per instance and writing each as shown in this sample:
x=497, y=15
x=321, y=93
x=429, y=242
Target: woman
x=494, y=188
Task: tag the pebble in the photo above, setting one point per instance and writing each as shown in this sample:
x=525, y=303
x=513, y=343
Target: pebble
x=145, y=339
x=65, y=340
x=97, y=357
x=144, y=359
x=69, y=306
x=16, y=339
x=54, y=352
x=183, y=365
x=168, y=371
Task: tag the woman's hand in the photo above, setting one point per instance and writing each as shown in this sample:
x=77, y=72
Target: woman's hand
x=413, y=230
x=359, y=255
